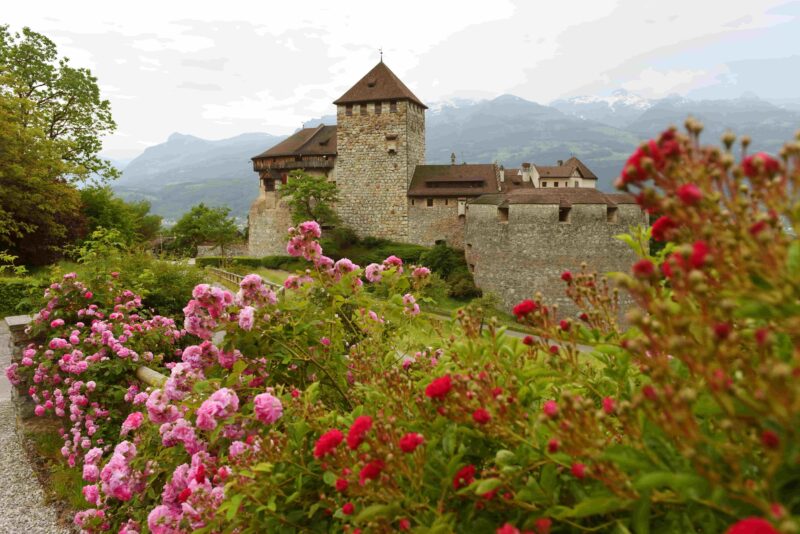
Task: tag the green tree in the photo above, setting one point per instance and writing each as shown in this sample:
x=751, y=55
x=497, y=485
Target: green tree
x=133, y=220
x=205, y=224
x=310, y=197
x=39, y=209
x=62, y=101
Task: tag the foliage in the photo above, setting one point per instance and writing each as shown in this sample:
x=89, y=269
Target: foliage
x=62, y=102
x=164, y=286
x=310, y=197
x=39, y=210
x=15, y=295
x=204, y=224
x=133, y=220
x=321, y=411
x=286, y=263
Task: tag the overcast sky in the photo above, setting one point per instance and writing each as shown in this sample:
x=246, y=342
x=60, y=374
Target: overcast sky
x=218, y=69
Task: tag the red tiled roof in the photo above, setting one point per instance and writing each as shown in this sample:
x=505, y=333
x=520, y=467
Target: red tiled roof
x=319, y=141
x=379, y=84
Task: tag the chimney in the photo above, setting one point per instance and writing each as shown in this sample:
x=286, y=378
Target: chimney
x=452, y=158
x=501, y=173
x=560, y=162
x=526, y=172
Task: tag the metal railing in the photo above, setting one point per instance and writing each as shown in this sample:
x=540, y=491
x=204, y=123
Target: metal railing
x=234, y=278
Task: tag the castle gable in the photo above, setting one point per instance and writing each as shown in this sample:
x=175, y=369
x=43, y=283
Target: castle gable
x=379, y=84
x=566, y=169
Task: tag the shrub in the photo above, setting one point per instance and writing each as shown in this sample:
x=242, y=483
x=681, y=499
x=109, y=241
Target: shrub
x=328, y=413
x=15, y=295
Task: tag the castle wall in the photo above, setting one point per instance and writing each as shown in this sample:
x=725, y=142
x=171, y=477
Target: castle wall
x=528, y=252
x=372, y=179
x=429, y=224
x=269, y=219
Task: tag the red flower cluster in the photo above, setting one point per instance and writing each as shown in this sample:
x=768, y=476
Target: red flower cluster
x=662, y=228
x=760, y=164
x=550, y=408
x=689, y=194
x=410, y=442
x=464, y=477
x=481, y=416
x=358, y=431
x=655, y=153
x=578, y=470
x=752, y=525
x=327, y=442
x=643, y=269
x=524, y=308
x=439, y=388
x=697, y=259
x=371, y=471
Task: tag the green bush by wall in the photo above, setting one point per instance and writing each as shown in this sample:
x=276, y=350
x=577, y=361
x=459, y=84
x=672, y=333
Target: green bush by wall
x=15, y=295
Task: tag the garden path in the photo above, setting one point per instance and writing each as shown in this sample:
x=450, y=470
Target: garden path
x=22, y=506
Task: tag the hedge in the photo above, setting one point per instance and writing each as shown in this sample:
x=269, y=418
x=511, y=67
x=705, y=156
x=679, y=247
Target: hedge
x=15, y=295
x=286, y=263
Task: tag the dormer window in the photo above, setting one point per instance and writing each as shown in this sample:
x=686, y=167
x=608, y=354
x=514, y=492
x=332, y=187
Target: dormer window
x=371, y=83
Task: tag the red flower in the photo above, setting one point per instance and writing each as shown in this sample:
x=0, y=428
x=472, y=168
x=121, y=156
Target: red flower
x=404, y=524
x=578, y=470
x=348, y=508
x=358, y=431
x=762, y=334
x=662, y=227
x=542, y=525
x=327, y=442
x=371, y=471
x=527, y=340
x=757, y=227
x=722, y=330
x=553, y=349
x=464, y=477
x=644, y=269
x=507, y=528
x=481, y=416
x=689, y=194
x=566, y=276
x=770, y=439
x=552, y=446
x=564, y=325
x=700, y=252
x=524, y=308
x=550, y=408
x=184, y=495
x=200, y=475
x=439, y=388
x=609, y=405
x=650, y=392
x=341, y=485
x=584, y=317
x=410, y=442
x=752, y=525
x=760, y=163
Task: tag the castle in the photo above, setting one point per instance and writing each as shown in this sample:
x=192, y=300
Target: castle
x=519, y=227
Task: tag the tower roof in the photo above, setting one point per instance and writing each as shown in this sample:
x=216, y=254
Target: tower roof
x=379, y=84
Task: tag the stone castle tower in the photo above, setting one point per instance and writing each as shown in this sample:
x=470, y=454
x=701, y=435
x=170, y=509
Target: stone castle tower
x=380, y=141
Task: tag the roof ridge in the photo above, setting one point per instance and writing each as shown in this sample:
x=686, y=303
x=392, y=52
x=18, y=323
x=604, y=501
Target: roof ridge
x=310, y=137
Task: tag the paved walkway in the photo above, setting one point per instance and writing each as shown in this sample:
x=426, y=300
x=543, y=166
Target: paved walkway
x=22, y=507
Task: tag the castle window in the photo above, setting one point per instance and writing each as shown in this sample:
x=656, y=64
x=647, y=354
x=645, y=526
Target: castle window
x=555, y=184
x=391, y=143
x=363, y=109
x=611, y=214
x=429, y=202
x=544, y=184
x=502, y=214
x=445, y=202
x=378, y=106
x=471, y=267
x=348, y=109
x=563, y=215
x=412, y=201
x=576, y=184
x=393, y=107
x=269, y=185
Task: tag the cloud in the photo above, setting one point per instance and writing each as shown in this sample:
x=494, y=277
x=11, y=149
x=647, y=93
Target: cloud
x=199, y=86
x=652, y=83
x=217, y=63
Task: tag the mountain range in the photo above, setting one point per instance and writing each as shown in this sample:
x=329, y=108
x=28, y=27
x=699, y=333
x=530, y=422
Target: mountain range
x=601, y=131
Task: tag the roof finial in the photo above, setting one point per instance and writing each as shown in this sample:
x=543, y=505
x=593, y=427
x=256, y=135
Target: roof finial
x=381, y=52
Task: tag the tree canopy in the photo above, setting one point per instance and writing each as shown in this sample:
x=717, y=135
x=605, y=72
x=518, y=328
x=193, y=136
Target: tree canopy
x=62, y=101
x=133, y=220
x=310, y=197
x=205, y=224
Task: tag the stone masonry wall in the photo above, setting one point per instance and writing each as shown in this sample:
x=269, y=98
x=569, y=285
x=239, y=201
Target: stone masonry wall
x=429, y=224
x=373, y=182
x=268, y=221
x=528, y=253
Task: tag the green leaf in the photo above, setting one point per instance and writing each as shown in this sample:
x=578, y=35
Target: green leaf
x=685, y=484
x=377, y=510
x=793, y=259
x=487, y=485
x=640, y=516
x=504, y=458
x=595, y=506
x=234, y=504
x=329, y=478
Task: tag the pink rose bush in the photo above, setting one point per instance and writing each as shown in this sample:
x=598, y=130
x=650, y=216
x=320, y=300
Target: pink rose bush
x=339, y=406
